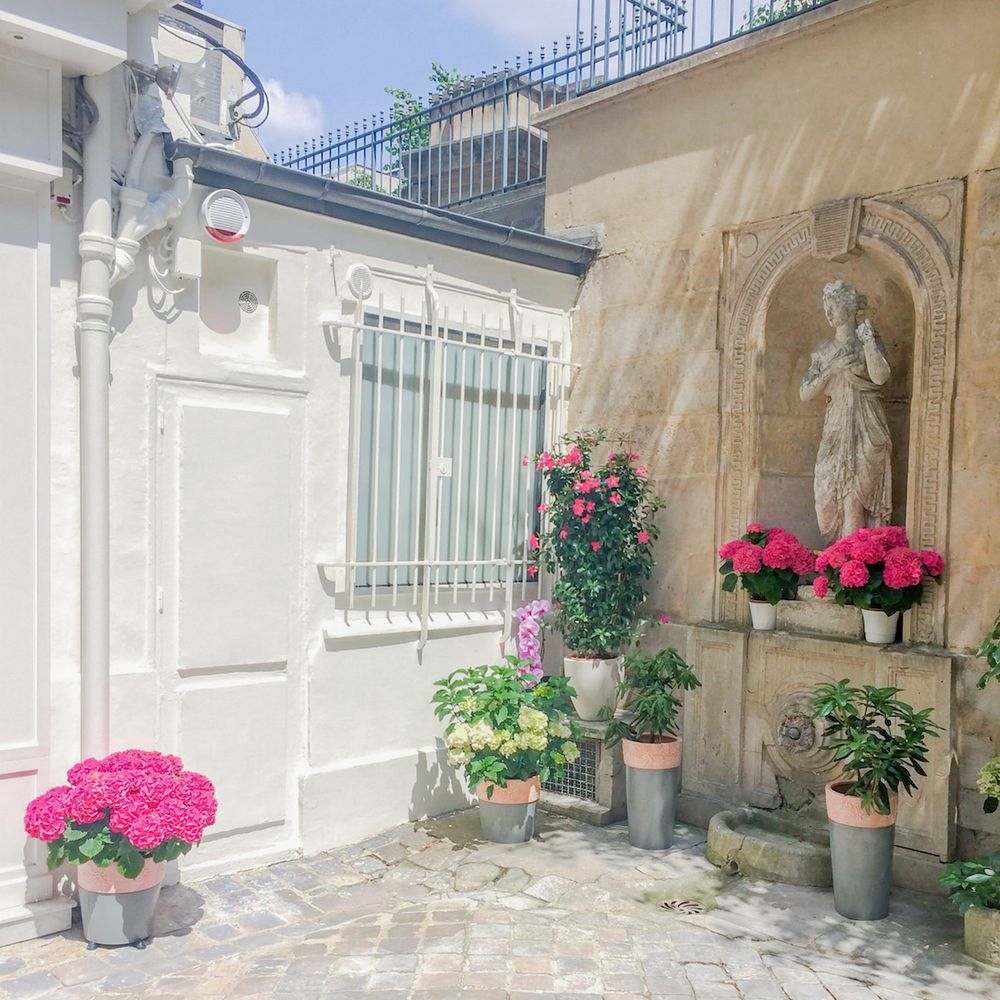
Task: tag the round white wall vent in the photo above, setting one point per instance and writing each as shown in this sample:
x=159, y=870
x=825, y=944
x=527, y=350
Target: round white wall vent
x=359, y=281
x=226, y=216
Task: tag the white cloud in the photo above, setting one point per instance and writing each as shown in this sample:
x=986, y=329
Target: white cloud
x=294, y=117
x=527, y=23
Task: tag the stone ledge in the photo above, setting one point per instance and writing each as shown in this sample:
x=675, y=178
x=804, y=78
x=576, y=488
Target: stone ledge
x=811, y=614
x=22, y=923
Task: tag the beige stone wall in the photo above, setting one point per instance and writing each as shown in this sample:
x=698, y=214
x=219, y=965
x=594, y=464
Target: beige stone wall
x=881, y=96
x=862, y=98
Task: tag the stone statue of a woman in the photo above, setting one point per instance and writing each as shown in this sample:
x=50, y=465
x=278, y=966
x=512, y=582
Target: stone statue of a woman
x=853, y=483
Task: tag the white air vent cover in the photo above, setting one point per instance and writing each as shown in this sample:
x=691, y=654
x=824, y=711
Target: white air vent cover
x=226, y=216
x=359, y=281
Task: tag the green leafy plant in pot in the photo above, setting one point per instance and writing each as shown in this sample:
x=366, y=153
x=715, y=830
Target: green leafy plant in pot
x=881, y=743
x=974, y=887
x=510, y=732
x=597, y=538
x=651, y=747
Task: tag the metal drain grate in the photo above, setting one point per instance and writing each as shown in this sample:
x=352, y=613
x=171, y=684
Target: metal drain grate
x=690, y=906
x=580, y=780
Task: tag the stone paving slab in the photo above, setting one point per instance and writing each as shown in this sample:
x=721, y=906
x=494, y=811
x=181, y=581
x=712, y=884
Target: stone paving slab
x=429, y=912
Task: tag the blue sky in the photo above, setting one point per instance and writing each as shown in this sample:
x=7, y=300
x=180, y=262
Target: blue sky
x=328, y=60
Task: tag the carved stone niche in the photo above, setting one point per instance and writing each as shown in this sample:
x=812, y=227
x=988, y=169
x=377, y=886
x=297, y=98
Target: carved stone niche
x=903, y=251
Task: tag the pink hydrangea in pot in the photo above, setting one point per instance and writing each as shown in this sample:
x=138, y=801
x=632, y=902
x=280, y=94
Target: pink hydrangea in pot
x=875, y=569
x=119, y=820
x=769, y=563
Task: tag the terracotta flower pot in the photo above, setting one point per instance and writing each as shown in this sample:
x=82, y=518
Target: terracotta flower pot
x=118, y=910
x=880, y=628
x=860, y=853
x=763, y=616
x=596, y=684
x=507, y=814
x=652, y=771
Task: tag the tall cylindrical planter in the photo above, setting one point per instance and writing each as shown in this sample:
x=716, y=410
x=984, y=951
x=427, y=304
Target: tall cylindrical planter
x=595, y=682
x=507, y=814
x=118, y=910
x=880, y=628
x=861, y=855
x=652, y=770
x=763, y=616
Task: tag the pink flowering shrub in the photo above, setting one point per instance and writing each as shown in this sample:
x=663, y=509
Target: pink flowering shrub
x=599, y=539
x=132, y=805
x=529, y=641
x=768, y=562
x=876, y=569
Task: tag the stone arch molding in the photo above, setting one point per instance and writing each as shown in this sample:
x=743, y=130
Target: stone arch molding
x=918, y=232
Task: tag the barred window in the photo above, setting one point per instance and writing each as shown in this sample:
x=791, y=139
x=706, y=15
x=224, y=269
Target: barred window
x=445, y=416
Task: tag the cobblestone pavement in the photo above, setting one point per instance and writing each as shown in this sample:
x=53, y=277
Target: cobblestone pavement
x=430, y=912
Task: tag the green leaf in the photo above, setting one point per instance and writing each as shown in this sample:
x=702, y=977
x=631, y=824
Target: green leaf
x=92, y=846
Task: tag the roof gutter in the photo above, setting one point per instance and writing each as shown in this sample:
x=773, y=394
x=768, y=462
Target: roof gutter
x=266, y=181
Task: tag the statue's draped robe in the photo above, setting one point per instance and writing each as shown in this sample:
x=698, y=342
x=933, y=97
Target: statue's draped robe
x=855, y=454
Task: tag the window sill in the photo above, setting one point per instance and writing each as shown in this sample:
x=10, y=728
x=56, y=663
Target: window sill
x=401, y=627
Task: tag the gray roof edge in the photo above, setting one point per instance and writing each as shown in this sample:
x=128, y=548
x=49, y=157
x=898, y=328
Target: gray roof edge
x=267, y=181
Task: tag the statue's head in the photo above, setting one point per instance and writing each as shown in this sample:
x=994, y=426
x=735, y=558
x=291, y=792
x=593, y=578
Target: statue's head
x=841, y=303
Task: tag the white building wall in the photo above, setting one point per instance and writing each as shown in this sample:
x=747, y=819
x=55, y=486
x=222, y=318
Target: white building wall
x=229, y=444
x=30, y=157
x=230, y=437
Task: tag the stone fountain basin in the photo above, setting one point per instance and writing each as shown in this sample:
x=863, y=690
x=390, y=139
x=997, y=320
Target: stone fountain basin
x=769, y=846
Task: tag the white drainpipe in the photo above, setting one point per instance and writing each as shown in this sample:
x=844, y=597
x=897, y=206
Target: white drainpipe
x=105, y=261
x=97, y=247
x=141, y=215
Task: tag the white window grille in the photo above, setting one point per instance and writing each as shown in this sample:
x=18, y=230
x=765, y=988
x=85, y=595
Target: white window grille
x=444, y=407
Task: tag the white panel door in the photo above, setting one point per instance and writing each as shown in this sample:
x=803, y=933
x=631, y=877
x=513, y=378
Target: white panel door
x=24, y=541
x=228, y=558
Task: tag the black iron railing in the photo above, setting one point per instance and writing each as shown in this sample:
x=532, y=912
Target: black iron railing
x=476, y=138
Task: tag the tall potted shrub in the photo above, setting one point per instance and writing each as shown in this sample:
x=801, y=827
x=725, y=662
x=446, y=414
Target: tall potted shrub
x=510, y=732
x=875, y=569
x=768, y=562
x=651, y=747
x=119, y=820
x=598, y=539
x=881, y=743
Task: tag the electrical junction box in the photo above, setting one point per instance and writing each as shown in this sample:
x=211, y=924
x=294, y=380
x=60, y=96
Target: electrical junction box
x=187, y=258
x=62, y=190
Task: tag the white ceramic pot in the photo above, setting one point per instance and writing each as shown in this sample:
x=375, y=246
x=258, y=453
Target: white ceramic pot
x=763, y=615
x=880, y=628
x=596, y=684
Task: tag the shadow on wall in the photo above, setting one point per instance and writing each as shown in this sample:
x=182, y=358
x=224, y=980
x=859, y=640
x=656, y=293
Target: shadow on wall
x=436, y=787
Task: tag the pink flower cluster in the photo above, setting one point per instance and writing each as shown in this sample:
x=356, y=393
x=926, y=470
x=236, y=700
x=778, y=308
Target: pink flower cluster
x=853, y=556
x=145, y=796
x=529, y=640
x=779, y=549
x=547, y=461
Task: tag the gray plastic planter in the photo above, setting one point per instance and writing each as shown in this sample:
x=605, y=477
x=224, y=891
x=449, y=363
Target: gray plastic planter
x=862, y=870
x=507, y=813
x=652, y=771
x=860, y=853
x=117, y=910
x=651, y=799
x=115, y=918
x=505, y=823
